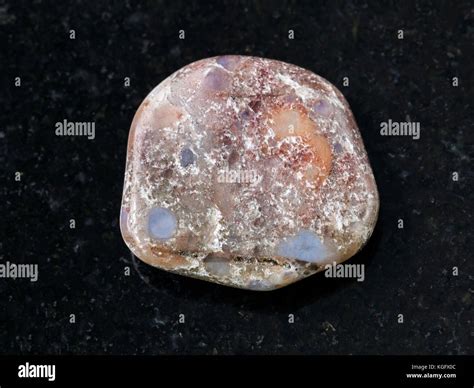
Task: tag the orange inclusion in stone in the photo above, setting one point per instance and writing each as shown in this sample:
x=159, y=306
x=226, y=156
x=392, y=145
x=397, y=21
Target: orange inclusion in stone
x=295, y=122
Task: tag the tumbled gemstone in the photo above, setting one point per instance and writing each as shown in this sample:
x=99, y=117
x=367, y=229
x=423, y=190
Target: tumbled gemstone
x=247, y=172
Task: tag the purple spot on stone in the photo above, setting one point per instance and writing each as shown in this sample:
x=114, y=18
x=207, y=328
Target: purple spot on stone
x=186, y=157
x=321, y=108
x=291, y=98
x=245, y=114
x=228, y=62
x=161, y=223
x=216, y=79
x=338, y=148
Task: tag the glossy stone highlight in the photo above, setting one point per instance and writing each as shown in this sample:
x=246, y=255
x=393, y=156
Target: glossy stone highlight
x=247, y=172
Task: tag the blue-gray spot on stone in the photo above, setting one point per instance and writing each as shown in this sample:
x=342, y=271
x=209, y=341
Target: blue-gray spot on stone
x=259, y=285
x=161, y=223
x=305, y=246
x=217, y=265
x=186, y=157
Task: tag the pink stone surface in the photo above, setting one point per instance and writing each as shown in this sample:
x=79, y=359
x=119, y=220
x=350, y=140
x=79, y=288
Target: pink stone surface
x=247, y=172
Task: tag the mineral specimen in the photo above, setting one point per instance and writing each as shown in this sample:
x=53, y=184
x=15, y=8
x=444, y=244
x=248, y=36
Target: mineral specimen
x=247, y=172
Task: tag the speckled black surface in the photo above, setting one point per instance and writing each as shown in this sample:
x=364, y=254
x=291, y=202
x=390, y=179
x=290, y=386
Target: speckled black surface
x=81, y=271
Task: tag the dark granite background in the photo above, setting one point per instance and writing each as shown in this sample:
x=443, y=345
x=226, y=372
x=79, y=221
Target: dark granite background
x=81, y=271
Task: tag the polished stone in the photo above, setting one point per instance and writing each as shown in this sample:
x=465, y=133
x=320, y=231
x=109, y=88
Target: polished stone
x=247, y=172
